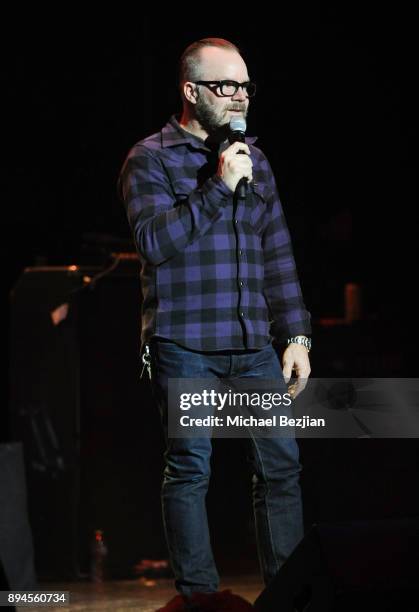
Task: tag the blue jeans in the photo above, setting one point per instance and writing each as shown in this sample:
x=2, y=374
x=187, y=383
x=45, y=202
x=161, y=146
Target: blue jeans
x=274, y=462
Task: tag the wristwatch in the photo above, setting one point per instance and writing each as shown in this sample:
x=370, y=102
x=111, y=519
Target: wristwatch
x=300, y=340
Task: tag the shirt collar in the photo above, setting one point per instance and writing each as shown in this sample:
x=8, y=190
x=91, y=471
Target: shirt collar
x=173, y=134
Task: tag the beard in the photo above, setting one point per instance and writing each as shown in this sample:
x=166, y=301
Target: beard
x=215, y=121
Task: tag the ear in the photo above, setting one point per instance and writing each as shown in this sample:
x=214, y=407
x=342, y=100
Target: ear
x=190, y=91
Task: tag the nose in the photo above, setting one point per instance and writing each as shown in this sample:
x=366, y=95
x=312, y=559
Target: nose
x=240, y=94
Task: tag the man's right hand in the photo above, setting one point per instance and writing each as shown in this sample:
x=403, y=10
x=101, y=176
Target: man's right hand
x=233, y=166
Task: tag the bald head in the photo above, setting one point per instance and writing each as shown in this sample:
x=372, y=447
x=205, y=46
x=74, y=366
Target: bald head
x=204, y=50
x=221, y=64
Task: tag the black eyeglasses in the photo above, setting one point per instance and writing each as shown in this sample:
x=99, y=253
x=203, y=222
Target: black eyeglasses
x=229, y=88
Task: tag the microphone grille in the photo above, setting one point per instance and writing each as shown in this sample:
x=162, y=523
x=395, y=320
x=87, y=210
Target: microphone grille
x=238, y=124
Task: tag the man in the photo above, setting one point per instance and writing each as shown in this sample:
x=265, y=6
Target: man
x=219, y=283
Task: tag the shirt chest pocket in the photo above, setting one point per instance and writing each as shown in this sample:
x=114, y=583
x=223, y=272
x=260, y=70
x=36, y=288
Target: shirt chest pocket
x=182, y=188
x=255, y=213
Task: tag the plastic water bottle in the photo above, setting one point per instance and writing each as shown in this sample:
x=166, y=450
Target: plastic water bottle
x=99, y=553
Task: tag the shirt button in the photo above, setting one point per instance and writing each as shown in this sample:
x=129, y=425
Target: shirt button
x=241, y=283
x=236, y=220
x=240, y=252
x=242, y=314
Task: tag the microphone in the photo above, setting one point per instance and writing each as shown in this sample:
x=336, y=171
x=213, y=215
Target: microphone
x=237, y=131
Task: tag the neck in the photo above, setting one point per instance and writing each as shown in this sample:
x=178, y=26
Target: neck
x=192, y=125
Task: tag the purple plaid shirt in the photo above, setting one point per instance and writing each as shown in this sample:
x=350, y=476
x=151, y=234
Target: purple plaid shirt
x=217, y=273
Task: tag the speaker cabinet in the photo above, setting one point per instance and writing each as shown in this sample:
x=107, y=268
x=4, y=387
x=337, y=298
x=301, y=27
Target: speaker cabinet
x=17, y=571
x=364, y=566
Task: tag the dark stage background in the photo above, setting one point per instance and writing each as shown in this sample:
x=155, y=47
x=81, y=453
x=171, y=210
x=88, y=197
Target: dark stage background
x=334, y=113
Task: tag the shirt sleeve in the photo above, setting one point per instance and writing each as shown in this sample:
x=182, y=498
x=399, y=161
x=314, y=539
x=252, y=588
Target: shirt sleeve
x=163, y=226
x=281, y=285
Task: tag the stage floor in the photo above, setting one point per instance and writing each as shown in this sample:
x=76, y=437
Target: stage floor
x=137, y=595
